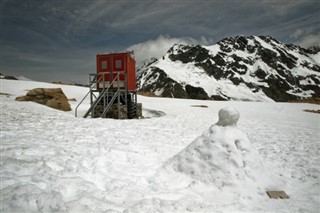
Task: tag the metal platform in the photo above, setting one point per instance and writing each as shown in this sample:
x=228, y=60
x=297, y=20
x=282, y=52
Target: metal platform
x=106, y=94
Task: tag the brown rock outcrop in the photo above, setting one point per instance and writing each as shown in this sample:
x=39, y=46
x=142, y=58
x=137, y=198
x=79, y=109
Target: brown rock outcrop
x=51, y=97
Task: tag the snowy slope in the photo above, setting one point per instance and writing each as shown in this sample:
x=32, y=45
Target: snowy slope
x=52, y=161
x=249, y=68
x=197, y=77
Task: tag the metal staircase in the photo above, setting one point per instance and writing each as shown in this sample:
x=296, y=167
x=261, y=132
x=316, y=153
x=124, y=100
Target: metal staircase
x=106, y=109
x=113, y=92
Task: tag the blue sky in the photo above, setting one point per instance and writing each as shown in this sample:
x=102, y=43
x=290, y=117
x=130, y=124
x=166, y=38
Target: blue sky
x=57, y=40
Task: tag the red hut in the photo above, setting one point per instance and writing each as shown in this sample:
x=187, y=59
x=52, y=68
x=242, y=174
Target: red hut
x=113, y=87
x=113, y=64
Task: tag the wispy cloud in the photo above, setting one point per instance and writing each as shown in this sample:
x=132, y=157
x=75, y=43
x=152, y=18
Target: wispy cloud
x=309, y=40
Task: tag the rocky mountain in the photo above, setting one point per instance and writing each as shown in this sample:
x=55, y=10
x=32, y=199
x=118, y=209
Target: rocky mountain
x=7, y=77
x=247, y=68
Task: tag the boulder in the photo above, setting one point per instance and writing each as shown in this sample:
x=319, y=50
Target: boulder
x=51, y=97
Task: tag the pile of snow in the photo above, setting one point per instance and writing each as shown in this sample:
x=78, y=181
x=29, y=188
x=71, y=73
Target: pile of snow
x=222, y=159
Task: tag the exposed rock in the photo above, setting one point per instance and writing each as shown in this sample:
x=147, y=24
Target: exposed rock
x=6, y=94
x=313, y=111
x=123, y=112
x=51, y=97
x=139, y=110
x=170, y=87
x=196, y=92
x=113, y=112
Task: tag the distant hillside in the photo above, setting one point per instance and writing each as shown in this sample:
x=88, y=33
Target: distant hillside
x=248, y=68
x=7, y=77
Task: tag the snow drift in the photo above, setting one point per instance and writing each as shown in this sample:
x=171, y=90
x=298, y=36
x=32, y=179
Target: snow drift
x=222, y=158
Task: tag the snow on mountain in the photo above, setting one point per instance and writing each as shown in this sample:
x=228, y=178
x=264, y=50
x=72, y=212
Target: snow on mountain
x=249, y=68
x=53, y=161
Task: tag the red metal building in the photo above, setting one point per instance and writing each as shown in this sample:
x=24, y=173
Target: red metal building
x=113, y=85
x=109, y=65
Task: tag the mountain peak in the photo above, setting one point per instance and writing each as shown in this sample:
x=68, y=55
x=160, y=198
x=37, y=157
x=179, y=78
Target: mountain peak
x=251, y=68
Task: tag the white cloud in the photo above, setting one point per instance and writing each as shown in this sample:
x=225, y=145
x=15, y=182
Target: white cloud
x=158, y=47
x=22, y=78
x=298, y=33
x=309, y=40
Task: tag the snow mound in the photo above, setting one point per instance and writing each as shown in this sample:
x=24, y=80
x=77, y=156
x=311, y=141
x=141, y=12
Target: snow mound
x=228, y=116
x=222, y=158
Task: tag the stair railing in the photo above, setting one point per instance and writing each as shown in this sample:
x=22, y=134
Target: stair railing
x=90, y=90
x=103, y=93
x=116, y=94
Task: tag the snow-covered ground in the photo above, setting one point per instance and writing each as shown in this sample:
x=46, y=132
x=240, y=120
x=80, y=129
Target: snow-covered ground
x=53, y=161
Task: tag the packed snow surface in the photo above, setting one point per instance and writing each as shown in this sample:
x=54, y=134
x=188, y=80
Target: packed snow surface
x=180, y=158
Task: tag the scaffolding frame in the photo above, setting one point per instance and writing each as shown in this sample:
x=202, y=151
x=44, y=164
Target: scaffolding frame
x=114, y=91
